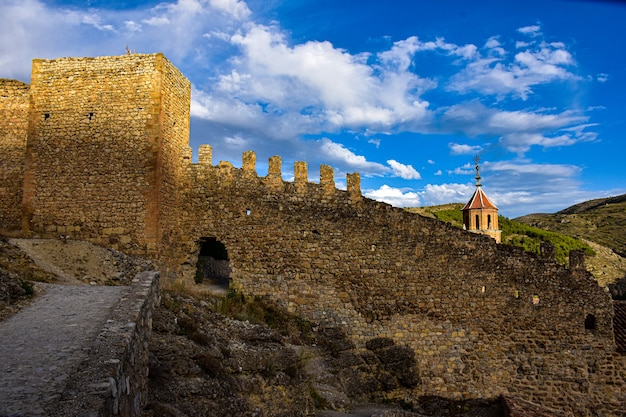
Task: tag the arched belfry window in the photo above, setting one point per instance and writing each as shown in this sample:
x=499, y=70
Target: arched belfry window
x=477, y=221
x=488, y=221
x=213, y=266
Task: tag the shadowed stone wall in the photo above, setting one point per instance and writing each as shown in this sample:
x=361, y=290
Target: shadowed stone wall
x=13, y=129
x=484, y=319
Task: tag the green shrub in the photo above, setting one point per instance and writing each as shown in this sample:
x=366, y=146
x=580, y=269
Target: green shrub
x=28, y=288
x=452, y=216
x=258, y=311
x=200, y=267
x=530, y=238
x=235, y=305
x=319, y=401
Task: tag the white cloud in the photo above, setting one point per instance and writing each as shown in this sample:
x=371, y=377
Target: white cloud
x=157, y=21
x=397, y=197
x=435, y=194
x=521, y=142
x=517, y=130
x=458, y=149
x=492, y=42
x=495, y=47
x=336, y=152
x=374, y=141
x=547, y=171
x=539, y=63
x=602, y=77
x=132, y=26
x=402, y=51
x=235, y=8
x=92, y=19
x=316, y=77
x=534, y=30
x=236, y=142
x=406, y=172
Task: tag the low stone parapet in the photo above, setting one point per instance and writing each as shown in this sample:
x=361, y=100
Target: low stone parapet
x=113, y=381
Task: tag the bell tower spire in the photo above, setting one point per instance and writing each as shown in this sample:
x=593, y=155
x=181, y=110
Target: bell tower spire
x=477, y=163
x=480, y=215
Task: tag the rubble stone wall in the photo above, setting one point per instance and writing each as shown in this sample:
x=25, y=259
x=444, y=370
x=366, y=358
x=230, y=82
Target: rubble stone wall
x=484, y=319
x=13, y=129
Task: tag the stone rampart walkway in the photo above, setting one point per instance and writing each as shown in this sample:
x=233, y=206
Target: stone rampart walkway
x=44, y=343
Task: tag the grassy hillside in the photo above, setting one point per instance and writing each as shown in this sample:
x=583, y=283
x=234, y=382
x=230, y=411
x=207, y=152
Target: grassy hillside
x=602, y=221
x=601, y=260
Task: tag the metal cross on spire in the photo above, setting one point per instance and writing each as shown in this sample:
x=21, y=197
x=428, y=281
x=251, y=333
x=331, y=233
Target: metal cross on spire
x=477, y=162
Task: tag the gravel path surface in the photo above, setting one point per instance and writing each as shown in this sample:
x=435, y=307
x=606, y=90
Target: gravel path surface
x=44, y=343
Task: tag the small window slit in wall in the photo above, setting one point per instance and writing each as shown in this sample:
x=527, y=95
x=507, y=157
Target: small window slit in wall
x=248, y=212
x=90, y=115
x=46, y=116
x=590, y=322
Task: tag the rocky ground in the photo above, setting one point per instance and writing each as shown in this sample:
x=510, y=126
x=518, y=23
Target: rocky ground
x=18, y=277
x=232, y=356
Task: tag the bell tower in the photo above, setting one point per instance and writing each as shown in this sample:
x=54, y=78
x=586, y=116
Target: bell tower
x=480, y=215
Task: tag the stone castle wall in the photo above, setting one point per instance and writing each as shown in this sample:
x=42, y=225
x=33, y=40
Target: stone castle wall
x=107, y=160
x=103, y=154
x=14, y=116
x=484, y=319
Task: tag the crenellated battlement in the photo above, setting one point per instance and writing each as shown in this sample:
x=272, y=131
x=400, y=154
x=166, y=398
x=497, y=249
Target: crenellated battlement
x=274, y=179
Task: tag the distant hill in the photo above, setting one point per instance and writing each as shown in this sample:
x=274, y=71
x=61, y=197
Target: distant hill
x=602, y=221
x=596, y=226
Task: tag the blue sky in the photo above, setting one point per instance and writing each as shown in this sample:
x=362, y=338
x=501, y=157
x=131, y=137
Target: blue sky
x=404, y=92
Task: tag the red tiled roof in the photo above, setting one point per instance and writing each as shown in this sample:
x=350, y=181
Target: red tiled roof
x=619, y=325
x=479, y=201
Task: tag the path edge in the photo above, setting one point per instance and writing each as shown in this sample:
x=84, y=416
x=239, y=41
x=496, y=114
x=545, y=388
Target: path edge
x=113, y=380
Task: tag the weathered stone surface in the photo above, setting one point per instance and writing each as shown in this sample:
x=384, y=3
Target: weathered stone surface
x=13, y=135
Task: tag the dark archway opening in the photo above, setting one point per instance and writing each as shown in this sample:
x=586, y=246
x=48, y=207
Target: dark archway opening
x=213, y=266
x=590, y=322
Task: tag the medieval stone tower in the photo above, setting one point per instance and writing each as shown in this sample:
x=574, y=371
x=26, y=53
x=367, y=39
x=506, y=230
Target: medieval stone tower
x=107, y=138
x=480, y=215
